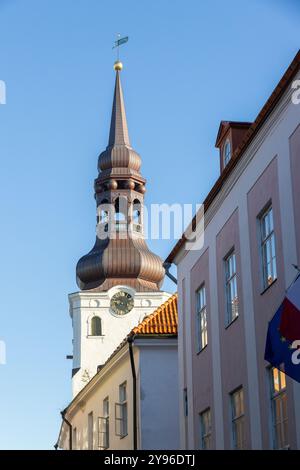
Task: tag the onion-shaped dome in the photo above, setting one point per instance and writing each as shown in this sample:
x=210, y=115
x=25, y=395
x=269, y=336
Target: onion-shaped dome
x=120, y=261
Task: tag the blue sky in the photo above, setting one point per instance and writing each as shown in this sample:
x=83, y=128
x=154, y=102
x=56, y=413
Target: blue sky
x=187, y=65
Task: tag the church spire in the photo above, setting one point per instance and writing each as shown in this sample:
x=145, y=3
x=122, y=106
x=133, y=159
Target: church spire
x=118, y=127
x=120, y=255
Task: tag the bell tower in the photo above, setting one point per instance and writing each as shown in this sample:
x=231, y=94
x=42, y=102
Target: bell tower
x=120, y=278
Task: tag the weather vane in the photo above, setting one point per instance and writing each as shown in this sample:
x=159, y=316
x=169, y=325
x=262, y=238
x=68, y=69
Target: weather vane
x=118, y=65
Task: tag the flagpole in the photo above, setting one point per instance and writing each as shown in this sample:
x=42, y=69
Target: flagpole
x=297, y=275
x=118, y=47
x=296, y=267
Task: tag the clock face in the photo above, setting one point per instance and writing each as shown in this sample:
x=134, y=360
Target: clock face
x=121, y=303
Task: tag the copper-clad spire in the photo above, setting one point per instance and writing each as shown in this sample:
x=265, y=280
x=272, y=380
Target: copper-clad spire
x=120, y=255
x=118, y=127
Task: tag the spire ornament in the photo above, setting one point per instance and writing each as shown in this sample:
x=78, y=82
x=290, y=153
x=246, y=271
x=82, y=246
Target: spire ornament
x=118, y=64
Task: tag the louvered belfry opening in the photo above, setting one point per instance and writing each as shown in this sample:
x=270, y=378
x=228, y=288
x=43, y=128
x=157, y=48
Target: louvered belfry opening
x=120, y=254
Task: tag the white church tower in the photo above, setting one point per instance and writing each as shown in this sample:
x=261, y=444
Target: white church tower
x=120, y=278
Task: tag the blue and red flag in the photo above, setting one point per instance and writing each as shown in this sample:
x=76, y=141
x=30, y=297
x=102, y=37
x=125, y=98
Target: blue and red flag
x=283, y=337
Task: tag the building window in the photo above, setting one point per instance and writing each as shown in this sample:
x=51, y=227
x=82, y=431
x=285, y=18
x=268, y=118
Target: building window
x=201, y=318
x=205, y=429
x=103, y=426
x=121, y=412
x=268, y=252
x=226, y=153
x=185, y=403
x=238, y=419
x=279, y=409
x=74, y=439
x=96, y=327
x=90, y=431
x=231, y=288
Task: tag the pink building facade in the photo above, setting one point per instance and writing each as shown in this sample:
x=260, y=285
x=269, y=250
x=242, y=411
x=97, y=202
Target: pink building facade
x=229, y=289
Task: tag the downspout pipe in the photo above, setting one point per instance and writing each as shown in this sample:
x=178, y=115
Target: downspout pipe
x=63, y=415
x=167, y=269
x=130, y=341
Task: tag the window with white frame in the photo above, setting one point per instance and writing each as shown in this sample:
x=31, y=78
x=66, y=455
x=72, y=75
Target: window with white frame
x=90, y=431
x=205, y=429
x=231, y=288
x=279, y=409
x=103, y=426
x=121, y=412
x=238, y=419
x=201, y=318
x=268, y=251
x=226, y=153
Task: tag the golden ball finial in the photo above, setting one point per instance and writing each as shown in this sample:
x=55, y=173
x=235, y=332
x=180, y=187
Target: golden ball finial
x=118, y=65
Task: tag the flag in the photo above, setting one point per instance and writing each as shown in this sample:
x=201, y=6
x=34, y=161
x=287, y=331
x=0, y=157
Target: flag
x=283, y=337
x=120, y=41
x=290, y=320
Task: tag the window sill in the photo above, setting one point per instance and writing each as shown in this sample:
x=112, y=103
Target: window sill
x=268, y=287
x=232, y=321
x=200, y=351
x=95, y=336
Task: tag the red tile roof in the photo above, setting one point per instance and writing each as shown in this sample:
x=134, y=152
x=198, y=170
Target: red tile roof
x=164, y=320
x=249, y=135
